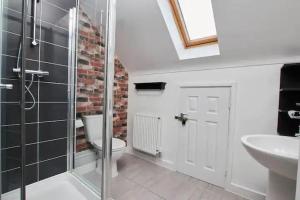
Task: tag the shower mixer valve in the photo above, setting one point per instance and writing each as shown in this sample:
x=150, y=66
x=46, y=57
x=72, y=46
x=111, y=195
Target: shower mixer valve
x=39, y=73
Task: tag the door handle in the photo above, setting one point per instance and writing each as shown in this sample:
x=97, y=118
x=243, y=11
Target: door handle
x=6, y=86
x=182, y=118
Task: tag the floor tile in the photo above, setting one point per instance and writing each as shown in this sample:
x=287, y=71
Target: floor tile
x=142, y=180
x=139, y=193
x=121, y=185
x=149, y=174
x=169, y=185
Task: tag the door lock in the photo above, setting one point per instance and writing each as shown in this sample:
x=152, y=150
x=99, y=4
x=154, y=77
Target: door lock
x=182, y=118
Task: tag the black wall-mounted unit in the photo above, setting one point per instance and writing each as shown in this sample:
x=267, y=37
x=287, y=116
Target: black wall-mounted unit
x=289, y=99
x=150, y=86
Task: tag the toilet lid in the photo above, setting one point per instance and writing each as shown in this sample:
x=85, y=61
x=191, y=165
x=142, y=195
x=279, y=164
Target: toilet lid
x=117, y=144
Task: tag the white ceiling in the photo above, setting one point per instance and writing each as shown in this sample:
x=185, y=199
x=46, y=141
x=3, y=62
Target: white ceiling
x=247, y=30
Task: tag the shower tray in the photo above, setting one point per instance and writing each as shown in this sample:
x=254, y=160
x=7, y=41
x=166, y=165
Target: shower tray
x=60, y=187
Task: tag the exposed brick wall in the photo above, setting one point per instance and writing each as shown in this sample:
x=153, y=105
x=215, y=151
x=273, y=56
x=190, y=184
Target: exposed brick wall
x=90, y=77
x=120, y=100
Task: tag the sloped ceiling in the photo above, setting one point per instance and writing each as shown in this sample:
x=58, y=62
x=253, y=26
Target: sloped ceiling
x=247, y=30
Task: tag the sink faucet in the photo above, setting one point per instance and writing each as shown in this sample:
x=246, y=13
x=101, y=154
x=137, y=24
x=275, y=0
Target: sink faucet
x=295, y=115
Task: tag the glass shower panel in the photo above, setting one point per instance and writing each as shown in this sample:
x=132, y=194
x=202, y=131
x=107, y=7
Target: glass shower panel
x=91, y=55
x=10, y=38
x=47, y=95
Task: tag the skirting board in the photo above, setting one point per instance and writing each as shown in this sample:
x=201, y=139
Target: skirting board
x=232, y=187
x=156, y=160
x=245, y=192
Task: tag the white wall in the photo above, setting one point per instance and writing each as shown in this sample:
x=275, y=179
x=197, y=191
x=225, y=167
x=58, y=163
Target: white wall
x=247, y=30
x=257, y=98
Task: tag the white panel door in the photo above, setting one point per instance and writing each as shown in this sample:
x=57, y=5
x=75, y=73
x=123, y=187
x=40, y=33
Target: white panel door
x=202, y=150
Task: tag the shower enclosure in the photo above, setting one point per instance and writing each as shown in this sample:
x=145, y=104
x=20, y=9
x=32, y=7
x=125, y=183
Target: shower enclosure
x=57, y=65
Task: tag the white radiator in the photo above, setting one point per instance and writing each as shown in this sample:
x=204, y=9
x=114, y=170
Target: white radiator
x=147, y=133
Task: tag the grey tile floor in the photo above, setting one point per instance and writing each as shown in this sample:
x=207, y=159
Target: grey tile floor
x=142, y=180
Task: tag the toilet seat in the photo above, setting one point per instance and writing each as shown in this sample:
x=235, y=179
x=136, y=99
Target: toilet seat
x=117, y=144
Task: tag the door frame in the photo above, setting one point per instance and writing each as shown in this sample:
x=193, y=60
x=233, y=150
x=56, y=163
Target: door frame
x=232, y=85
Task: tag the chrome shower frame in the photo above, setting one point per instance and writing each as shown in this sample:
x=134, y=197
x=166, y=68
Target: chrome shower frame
x=1, y=26
x=72, y=77
x=108, y=100
x=108, y=95
x=23, y=99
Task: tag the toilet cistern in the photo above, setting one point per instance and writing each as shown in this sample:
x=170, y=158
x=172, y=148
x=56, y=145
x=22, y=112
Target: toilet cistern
x=293, y=114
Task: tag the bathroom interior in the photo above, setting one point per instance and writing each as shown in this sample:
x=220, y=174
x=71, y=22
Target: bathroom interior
x=101, y=99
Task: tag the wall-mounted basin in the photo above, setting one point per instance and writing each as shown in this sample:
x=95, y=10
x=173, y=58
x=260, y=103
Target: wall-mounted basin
x=280, y=155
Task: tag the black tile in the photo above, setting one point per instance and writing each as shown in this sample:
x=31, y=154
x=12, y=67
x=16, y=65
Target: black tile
x=16, y=5
x=52, y=149
x=11, y=157
x=52, y=167
x=13, y=95
x=8, y=63
x=31, y=51
x=12, y=22
x=63, y=4
x=31, y=174
x=11, y=180
x=11, y=45
x=11, y=135
x=50, y=92
x=54, y=54
x=53, y=130
x=11, y=112
x=53, y=111
x=54, y=15
x=53, y=34
x=33, y=88
x=57, y=73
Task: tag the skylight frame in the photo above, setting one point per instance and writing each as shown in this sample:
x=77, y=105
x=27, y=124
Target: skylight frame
x=180, y=22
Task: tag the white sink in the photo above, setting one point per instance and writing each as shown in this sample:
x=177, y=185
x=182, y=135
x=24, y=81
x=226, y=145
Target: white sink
x=280, y=155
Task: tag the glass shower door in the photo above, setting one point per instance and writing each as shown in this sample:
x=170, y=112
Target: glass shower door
x=10, y=122
x=45, y=122
x=18, y=109
x=45, y=102
x=13, y=163
x=89, y=87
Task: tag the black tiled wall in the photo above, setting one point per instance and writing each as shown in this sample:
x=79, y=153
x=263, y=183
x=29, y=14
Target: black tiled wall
x=289, y=99
x=46, y=136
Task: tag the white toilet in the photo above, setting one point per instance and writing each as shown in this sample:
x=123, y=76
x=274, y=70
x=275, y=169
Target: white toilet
x=93, y=130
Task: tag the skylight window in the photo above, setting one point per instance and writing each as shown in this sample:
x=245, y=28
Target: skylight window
x=195, y=21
